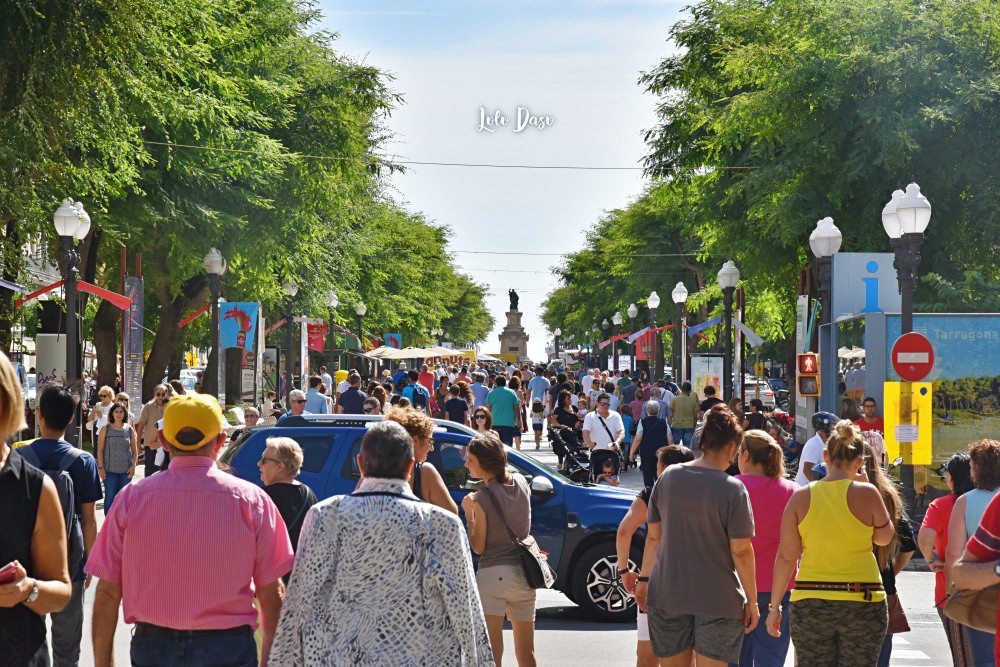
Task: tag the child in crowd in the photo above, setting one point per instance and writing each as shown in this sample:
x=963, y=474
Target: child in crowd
x=608, y=476
x=538, y=414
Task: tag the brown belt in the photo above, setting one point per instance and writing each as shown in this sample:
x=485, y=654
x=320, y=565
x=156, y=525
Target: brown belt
x=159, y=632
x=846, y=587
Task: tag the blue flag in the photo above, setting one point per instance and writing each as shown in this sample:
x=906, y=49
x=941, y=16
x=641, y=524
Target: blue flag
x=696, y=328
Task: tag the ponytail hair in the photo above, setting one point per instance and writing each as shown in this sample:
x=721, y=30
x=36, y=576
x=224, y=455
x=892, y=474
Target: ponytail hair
x=721, y=430
x=764, y=451
x=845, y=443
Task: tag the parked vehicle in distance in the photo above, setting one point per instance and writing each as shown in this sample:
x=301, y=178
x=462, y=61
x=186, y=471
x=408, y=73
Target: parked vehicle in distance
x=32, y=390
x=750, y=389
x=575, y=523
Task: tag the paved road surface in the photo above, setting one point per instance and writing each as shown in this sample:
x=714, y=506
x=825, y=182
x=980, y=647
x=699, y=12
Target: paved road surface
x=565, y=638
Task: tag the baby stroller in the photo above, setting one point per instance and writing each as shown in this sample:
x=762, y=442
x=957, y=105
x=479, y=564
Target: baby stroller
x=597, y=459
x=574, y=461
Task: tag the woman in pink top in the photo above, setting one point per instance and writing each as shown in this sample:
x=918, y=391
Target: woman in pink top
x=762, y=471
x=636, y=405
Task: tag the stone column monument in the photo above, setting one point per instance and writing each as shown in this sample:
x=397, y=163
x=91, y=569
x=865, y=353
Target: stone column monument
x=513, y=339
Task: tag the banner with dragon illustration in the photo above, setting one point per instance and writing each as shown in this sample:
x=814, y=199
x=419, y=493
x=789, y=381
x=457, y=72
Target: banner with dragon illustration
x=238, y=324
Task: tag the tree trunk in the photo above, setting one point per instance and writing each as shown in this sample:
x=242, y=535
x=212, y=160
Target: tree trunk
x=176, y=363
x=106, y=339
x=12, y=260
x=210, y=383
x=166, y=343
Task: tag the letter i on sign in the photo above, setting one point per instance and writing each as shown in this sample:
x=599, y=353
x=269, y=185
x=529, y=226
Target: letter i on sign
x=871, y=289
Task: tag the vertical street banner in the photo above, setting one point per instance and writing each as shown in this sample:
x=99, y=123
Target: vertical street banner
x=238, y=324
x=133, y=344
x=317, y=337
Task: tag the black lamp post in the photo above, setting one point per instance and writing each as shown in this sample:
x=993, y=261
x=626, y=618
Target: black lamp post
x=333, y=302
x=556, y=334
x=360, y=311
x=905, y=218
x=632, y=311
x=72, y=224
x=653, y=302
x=291, y=289
x=215, y=266
x=604, y=354
x=729, y=277
x=680, y=295
x=616, y=319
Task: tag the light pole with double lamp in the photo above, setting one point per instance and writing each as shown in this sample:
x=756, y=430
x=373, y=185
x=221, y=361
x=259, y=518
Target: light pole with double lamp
x=215, y=266
x=360, y=311
x=905, y=218
x=72, y=224
x=653, y=302
x=680, y=295
x=332, y=301
x=291, y=289
x=556, y=334
x=729, y=277
x=633, y=312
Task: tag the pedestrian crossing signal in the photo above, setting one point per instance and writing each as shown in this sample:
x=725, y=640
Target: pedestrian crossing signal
x=808, y=385
x=808, y=363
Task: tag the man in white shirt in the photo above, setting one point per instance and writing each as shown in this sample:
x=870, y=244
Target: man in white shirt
x=327, y=380
x=812, y=451
x=603, y=428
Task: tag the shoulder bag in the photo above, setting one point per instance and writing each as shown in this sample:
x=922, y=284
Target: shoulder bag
x=534, y=562
x=976, y=609
x=614, y=443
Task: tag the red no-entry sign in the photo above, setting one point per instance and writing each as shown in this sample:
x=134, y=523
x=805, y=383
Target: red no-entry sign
x=912, y=357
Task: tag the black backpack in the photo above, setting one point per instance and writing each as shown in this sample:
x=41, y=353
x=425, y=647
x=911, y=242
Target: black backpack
x=67, y=498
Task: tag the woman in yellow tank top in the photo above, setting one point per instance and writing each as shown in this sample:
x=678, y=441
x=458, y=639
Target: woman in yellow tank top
x=838, y=610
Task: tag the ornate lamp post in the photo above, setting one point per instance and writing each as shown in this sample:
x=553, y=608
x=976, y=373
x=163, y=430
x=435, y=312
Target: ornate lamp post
x=333, y=302
x=72, y=224
x=680, y=295
x=215, y=266
x=604, y=332
x=360, y=311
x=653, y=302
x=905, y=218
x=633, y=312
x=291, y=289
x=556, y=334
x=825, y=241
x=729, y=277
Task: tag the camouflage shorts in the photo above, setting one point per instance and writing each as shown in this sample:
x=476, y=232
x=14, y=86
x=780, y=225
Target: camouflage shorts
x=838, y=633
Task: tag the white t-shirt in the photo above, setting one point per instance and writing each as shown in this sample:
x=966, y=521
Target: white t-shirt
x=328, y=381
x=539, y=420
x=343, y=386
x=812, y=453
x=600, y=436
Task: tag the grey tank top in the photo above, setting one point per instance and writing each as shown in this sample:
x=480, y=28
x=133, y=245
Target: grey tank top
x=117, y=449
x=511, y=504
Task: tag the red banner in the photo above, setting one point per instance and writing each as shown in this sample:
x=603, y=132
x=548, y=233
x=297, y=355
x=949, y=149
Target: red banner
x=317, y=336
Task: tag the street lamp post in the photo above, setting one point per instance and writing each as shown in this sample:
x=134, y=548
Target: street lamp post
x=729, y=277
x=680, y=295
x=215, y=266
x=616, y=319
x=72, y=224
x=653, y=302
x=291, y=289
x=556, y=334
x=905, y=218
x=333, y=302
x=825, y=241
x=632, y=311
x=604, y=332
x=360, y=311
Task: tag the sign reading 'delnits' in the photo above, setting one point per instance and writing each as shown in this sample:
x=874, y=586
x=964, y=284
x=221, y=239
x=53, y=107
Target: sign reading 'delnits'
x=522, y=120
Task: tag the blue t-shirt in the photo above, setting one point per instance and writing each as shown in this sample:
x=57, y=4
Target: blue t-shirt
x=83, y=472
x=422, y=403
x=289, y=414
x=398, y=376
x=538, y=386
x=316, y=402
x=502, y=402
x=479, y=393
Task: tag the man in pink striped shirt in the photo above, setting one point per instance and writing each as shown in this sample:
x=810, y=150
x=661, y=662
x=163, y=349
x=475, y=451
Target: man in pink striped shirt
x=217, y=542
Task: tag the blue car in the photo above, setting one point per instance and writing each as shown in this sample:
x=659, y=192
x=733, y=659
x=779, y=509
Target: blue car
x=575, y=523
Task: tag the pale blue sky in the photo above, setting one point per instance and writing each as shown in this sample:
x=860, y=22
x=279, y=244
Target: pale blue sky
x=577, y=62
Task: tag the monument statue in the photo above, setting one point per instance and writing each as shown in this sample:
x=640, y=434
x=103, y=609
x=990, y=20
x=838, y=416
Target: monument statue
x=513, y=299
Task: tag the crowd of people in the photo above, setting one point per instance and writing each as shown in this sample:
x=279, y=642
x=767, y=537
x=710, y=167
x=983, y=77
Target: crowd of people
x=739, y=561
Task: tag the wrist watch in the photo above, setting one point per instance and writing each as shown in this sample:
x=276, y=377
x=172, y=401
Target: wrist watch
x=996, y=567
x=33, y=595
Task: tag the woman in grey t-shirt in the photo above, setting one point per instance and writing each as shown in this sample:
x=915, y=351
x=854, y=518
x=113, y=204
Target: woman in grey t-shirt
x=698, y=583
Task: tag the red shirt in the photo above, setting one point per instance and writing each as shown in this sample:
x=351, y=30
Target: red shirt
x=210, y=537
x=937, y=519
x=427, y=379
x=985, y=545
x=877, y=425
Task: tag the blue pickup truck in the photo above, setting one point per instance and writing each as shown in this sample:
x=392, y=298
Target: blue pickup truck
x=575, y=523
